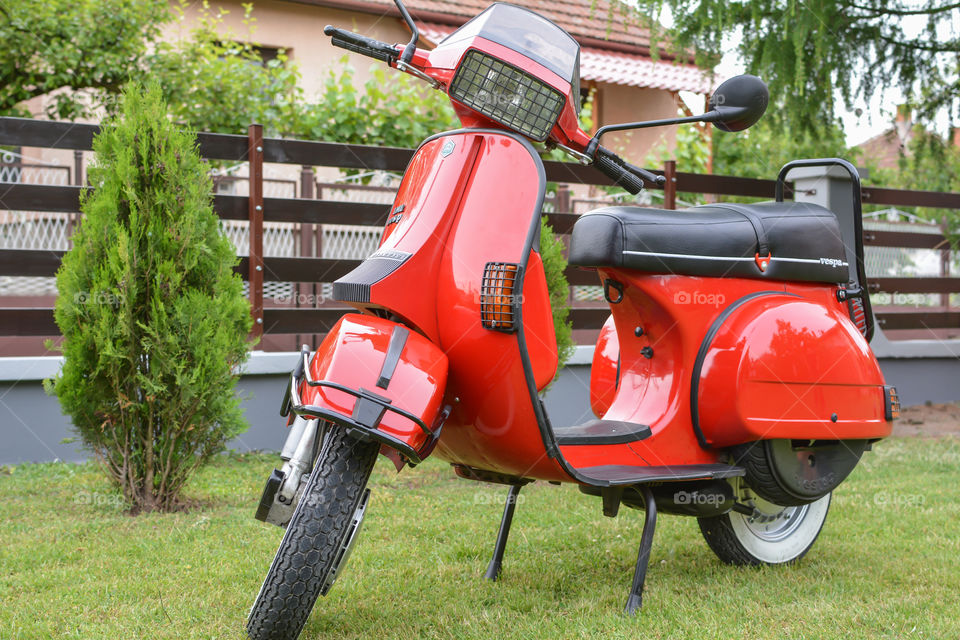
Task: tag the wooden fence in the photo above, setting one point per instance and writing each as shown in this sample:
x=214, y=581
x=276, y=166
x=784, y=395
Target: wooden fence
x=307, y=211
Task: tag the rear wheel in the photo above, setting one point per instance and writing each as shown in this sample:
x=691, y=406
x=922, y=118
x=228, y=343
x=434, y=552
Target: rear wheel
x=318, y=538
x=770, y=534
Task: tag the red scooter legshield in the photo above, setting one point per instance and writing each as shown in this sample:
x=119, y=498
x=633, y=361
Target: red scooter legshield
x=379, y=379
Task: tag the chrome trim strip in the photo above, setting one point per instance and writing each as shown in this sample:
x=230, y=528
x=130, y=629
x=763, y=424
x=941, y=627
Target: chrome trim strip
x=730, y=258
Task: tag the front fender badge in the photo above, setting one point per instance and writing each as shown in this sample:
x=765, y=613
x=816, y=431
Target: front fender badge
x=448, y=148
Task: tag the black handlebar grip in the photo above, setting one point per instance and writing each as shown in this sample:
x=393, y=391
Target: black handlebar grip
x=612, y=166
x=361, y=44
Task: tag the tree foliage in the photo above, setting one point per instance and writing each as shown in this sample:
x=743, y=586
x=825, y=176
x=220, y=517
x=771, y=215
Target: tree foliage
x=81, y=54
x=85, y=46
x=554, y=265
x=809, y=51
x=153, y=317
x=391, y=109
x=758, y=152
x=218, y=81
x=930, y=163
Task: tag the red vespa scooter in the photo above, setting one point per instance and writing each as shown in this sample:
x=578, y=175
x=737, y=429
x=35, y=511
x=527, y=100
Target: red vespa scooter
x=733, y=381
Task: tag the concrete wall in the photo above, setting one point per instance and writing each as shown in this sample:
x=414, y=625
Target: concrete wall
x=33, y=428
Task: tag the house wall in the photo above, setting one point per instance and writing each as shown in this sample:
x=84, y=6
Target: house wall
x=620, y=103
x=299, y=29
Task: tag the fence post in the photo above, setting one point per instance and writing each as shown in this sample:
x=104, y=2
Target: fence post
x=670, y=186
x=562, y=203
x=306, y=291
x=73, y=219
x=255, y=276
x=945, y=263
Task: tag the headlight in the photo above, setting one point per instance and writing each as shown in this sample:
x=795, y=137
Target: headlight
x=506, y=94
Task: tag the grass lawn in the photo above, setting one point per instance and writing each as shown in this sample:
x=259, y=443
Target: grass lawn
x=72, y=565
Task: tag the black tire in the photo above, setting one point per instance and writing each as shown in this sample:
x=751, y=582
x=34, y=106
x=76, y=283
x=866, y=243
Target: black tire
x=760, y=475
x=794, y=477
x=772, y=535
x=313, y=539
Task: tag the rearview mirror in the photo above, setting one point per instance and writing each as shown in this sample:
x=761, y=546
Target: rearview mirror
x=739, y=102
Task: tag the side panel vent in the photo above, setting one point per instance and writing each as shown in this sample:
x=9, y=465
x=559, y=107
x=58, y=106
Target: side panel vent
x=355, y=286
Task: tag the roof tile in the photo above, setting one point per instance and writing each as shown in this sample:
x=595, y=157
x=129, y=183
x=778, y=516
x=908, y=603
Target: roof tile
x=599, y=20
x=616, y=67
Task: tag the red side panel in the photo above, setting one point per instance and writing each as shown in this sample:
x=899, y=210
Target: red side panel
x=539, y=332
x=790, y=367
x=353, y=355
x=418, y=224
x=493, y=425
x=779, y=365
x=604, y=372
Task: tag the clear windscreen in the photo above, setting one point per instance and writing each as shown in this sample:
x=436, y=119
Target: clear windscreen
x=527, y=33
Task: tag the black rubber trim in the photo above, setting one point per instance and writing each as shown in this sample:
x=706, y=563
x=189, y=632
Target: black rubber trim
x=616, y=385
x=610, y=475
x=602, y=432
x=269, y=493
x=702, y=355
x=397, y=341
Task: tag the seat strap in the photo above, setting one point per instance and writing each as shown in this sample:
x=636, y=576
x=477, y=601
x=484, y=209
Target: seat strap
x=763, y=247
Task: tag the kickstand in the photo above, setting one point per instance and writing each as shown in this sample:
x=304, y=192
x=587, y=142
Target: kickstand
x=635, y=600
x=493, y=569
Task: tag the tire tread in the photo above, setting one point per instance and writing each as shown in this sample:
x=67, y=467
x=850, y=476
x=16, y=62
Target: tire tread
x=312, y=539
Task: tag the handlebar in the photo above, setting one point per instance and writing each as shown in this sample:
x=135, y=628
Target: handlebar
x=623, y=173
x=361, y=44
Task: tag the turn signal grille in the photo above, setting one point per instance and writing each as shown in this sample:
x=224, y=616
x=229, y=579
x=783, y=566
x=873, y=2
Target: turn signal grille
x=891, y=403
x=857, y=314
x=498, y=301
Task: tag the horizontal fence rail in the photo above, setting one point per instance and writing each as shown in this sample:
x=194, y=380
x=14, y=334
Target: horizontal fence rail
x=308, y=215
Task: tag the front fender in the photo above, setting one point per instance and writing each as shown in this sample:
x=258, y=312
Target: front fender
x=379, y=380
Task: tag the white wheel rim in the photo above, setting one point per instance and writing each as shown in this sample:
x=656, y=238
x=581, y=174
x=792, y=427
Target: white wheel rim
x=774, y=534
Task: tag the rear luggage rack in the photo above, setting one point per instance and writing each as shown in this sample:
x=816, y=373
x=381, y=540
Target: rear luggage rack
x=859, y=308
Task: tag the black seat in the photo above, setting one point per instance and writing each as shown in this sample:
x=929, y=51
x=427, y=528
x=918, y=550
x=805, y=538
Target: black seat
x=802, y=240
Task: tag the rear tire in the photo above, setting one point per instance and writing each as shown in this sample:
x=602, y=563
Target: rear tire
x=772, y=534
x=312, y=546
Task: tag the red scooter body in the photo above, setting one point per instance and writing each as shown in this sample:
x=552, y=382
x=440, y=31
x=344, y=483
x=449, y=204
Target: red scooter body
x=453, y=219
x=785, y=364
x=733, y=382
x=789, y=366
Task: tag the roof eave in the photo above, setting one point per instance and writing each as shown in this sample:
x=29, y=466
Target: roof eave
x=456, y=20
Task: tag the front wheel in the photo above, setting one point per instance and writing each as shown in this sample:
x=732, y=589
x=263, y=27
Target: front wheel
x=318, y=539
x=770, y=534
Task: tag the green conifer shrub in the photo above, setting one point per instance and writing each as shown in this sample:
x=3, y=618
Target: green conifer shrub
x=153, y=317
x=554, y=264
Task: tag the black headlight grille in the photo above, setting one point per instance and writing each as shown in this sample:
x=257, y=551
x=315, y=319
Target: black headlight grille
x=506, y=94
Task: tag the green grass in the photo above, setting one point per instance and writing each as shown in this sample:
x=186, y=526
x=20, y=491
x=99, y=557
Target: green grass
x=72, y=565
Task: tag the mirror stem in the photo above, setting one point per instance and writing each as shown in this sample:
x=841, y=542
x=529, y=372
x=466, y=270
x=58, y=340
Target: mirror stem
x=408, y=50
x=709, y=116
